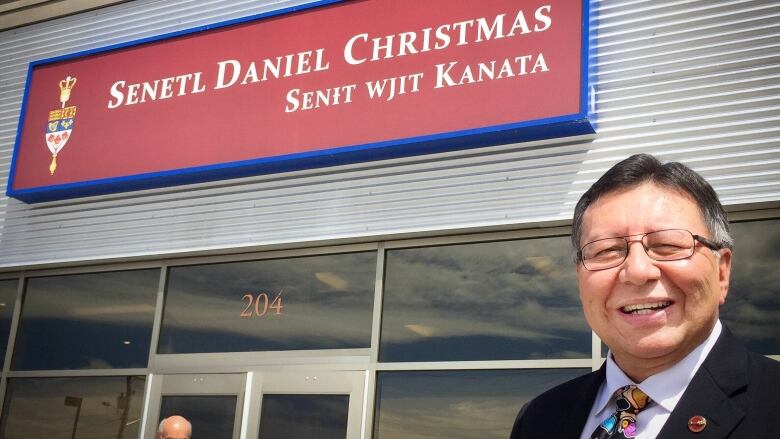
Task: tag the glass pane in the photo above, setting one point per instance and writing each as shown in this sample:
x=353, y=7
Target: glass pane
x=752, y=308
x=317, y=302
x=65, y=408
x=458, y=404
x=212, y=417
x=304, y=416
x=7, y=300
x=61, y=316
x=485, y=301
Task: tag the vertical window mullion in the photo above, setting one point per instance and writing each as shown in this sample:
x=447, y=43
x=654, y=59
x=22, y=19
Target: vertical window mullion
x=370, y=400
x=9, y=349
x=158, y=313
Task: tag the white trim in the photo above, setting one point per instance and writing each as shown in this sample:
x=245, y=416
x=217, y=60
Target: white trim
x=275, y=254
x=379, y=287
x=480, y=237
x=365, y=417
x=595, y=351
x=247, y=400
x=224, y=362
x=584, y=363
x=76, y=373
x=147, y=398
x=84, y=269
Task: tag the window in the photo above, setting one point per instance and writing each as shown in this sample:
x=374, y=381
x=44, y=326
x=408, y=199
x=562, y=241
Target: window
x=484, y=301
x=304, y=416
x=62, y=408
x=752, y=308
x=211, y=416
x=478, y=404
x=87, y=321
x=315, y=302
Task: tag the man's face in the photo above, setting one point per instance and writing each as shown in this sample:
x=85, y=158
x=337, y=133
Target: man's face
x=688, y=291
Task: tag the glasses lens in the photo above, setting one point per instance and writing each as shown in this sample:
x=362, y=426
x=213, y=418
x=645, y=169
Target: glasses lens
x=669, y=245
x=604, y=253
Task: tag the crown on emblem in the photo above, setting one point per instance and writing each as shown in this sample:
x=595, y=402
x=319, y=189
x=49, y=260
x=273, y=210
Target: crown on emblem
x=66, y=85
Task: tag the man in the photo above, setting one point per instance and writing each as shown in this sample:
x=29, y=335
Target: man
x=174, y=427
x=653, y=264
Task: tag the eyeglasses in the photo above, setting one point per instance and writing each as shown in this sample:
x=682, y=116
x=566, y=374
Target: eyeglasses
x=661, y=245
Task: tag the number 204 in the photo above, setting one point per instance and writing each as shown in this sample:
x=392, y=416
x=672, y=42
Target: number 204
x=257, y=305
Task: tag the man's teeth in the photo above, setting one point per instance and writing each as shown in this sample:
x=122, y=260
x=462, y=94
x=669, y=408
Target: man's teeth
x=645, y=308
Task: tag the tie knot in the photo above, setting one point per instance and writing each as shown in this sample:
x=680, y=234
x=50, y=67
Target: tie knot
x=631, y=399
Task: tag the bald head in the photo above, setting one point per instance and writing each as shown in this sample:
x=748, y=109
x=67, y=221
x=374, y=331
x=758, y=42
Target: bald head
x=175, y=427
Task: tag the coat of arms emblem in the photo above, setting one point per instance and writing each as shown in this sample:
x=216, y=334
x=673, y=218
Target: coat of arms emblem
x=60, y=125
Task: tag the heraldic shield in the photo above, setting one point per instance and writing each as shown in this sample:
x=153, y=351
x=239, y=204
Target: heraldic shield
x=61, y=122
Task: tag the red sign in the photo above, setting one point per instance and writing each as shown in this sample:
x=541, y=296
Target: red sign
x=339, y=83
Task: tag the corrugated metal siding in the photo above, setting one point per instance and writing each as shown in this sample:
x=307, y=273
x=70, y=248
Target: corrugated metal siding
x=689, y=80
x=15, y=13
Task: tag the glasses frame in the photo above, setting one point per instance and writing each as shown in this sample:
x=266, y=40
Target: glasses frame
x=696, y=238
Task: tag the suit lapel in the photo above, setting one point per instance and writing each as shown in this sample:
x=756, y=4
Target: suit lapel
x=722, y=374
x=579, y=405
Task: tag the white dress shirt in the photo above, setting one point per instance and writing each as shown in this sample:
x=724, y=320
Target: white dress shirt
x=664, y=388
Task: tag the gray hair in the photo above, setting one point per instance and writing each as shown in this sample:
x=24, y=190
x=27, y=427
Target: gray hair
x=643, y=168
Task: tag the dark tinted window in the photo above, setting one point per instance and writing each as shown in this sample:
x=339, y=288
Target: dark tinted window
x=315, y=302
x=8, y=290
x=752, y=308
x=458, y=404
x=484, y=301
x=304, y=416
x=65, y=408
x=87, y=321
x=211, y=417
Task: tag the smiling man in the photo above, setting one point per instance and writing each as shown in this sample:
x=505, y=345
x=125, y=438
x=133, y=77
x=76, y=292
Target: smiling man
x=653, y=254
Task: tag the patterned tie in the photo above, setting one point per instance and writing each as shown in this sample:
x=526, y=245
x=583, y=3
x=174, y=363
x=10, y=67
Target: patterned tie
x=622, y=424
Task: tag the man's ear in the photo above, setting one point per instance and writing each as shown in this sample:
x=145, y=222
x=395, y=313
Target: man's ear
x=724, y=272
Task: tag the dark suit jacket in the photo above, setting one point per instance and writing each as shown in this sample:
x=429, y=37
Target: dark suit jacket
x=738, y=392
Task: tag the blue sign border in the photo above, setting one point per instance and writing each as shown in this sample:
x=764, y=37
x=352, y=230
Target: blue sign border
x=580, y=123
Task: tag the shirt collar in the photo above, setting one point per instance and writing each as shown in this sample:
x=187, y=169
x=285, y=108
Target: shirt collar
x=666, y=387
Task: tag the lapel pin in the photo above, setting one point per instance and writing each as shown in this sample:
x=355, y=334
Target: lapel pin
x=697, y=423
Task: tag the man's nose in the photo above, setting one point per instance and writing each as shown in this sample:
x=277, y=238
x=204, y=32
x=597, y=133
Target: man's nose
x=638, y=268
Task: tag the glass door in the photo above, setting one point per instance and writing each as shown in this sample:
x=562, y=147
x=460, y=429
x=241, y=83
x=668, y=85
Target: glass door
x=212, y=403
x=300, y=405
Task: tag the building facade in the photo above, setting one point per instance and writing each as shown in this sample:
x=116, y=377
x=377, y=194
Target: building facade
x=416, y=297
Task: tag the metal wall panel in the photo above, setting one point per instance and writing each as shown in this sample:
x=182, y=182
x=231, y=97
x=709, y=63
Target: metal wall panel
x=689, y=80
x=15, y=13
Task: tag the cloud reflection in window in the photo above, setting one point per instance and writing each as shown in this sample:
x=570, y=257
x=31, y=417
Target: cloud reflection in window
x=483, y=301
